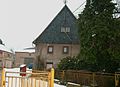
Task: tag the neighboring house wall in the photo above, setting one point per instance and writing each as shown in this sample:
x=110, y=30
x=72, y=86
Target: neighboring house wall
x=57, y=55
x=4, y=54
x=8, y=63
x=24, y=58
x=5, y=59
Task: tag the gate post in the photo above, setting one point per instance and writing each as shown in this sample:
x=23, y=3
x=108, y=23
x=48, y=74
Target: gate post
x=51, y=78
x=3, y=77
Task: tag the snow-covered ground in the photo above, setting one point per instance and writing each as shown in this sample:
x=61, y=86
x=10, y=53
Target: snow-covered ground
x=56, y=85
x=17, y=82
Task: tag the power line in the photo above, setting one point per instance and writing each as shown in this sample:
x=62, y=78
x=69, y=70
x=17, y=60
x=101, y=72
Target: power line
x=80, y=6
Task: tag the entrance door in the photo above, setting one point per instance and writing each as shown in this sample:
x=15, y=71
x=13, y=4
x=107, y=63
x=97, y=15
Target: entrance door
x=49, y=65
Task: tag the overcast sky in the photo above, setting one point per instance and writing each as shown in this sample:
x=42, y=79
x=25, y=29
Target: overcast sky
x=21, y=21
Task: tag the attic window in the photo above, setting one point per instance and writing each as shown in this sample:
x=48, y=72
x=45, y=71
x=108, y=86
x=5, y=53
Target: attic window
x=65, y=29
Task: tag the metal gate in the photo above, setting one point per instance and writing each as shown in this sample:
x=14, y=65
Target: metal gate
x=31, y=79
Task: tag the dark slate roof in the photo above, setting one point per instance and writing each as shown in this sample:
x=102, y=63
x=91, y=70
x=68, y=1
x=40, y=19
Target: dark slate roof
x=53, y=35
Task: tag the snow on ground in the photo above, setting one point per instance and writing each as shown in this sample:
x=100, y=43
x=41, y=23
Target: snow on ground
x=56, y=85
x=17, y=82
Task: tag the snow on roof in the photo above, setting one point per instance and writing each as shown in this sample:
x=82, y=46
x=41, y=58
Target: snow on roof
x=3, y=48
x=26, y=50
x=22, y=65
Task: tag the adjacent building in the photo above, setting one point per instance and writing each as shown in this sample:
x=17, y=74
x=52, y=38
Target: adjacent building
x=26, y=56
x=6, y=56
x=58, y=40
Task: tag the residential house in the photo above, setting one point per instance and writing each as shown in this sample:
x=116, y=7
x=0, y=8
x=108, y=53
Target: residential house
x=6, y=59
x=25, y=56
x=58, y=40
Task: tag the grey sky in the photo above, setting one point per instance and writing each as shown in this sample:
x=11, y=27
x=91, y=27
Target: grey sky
x=21, y=21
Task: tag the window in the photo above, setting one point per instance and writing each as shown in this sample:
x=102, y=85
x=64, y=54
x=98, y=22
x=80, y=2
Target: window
x=50, y=49
x=8, y=55
x=62, y=29
x=65, y=29
x=30, y=54
x=65, y=49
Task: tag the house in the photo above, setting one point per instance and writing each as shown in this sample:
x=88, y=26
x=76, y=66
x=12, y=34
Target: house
x=58, y=40
x=6, y=59
x=25, y=56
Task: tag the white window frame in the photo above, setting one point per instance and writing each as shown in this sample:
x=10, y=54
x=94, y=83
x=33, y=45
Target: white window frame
x=65, y=29
x=65, y=49
x=50, y=49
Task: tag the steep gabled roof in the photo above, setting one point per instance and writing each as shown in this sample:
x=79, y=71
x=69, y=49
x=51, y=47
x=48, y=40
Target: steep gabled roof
x=53, y=34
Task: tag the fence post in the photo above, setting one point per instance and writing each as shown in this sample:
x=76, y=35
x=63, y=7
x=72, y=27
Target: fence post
x=63, y=76
x=3, y=77
x=52, y=77
x=116, y=80
x=93, y=79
